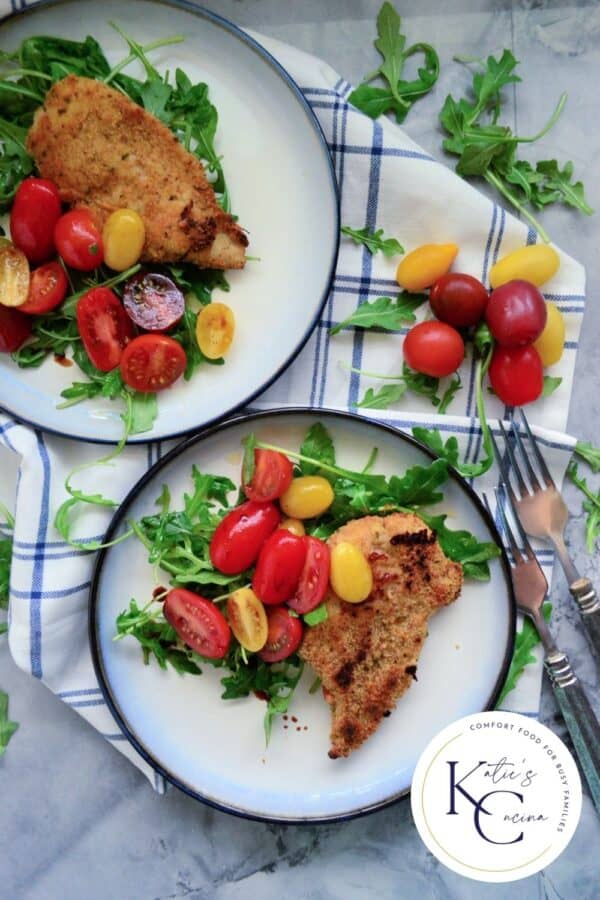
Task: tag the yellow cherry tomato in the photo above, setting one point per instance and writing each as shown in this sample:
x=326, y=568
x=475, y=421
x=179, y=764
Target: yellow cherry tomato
x=422, y=267
x=536, y=263
x=123, y=237
x=293, y=525
x=350, y=574
x=14, y=275
x=214, y=329
x=307, y=496
x=247, y=619
x=551, y=342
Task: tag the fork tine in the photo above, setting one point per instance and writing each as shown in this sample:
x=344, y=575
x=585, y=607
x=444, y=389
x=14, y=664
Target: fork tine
x=514, y=547
x=523, y=488
x=506, y=500
x=537, y=452
x=530, y=470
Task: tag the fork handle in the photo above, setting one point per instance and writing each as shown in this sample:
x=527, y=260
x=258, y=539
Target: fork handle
x=579, y=717
x=589, y=607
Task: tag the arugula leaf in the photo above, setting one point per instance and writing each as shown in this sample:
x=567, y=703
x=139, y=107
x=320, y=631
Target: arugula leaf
x=489, y=150
x=383, y=397
x=7, y=728
x=316, y=616
x=249, y=460
x=589, y=453
x=591, y=506
x=399, y=95
x=373, y=240
x=421, y=384
x=5, y=562
x=463, y=547
x=525, y=641
x=157, y=637
x=318, y=445
x=419, y=484
x=550, y=385
x=144, y=410
x=384, y=313
x=448, y=395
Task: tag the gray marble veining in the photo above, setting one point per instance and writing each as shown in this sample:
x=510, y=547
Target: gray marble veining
x=77, y=820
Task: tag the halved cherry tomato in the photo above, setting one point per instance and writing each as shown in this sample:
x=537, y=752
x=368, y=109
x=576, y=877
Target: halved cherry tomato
x=516, y=313
x=104, y=326
x=247, y=619
x=314, y=579
x=15, y=328
x=239, y=536
x=215, y=326
x=35, y=212
x=47, y=289
x=285, y=634
x=152, y=362
x=458, y=299
x=517, y=375
x=198, y=623
x=14, y=275
x=153, y=301
x=78, y=240
x=434, y=348
x=272, y=476
x=279, y=566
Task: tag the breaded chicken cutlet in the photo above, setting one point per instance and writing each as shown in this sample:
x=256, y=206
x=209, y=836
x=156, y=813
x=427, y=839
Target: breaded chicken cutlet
x=104, y=152
x=366, y=654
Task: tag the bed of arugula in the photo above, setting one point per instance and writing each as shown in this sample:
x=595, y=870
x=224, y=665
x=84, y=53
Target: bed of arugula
x=25, y=77
x=178, y=541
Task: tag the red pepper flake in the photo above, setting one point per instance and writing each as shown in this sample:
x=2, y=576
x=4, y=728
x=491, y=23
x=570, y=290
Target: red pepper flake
x=298, y=728
x=285, y=718
x=305, y=728
x=62, y=360
x=294, y=719
x=261, y=695
x=158, y=591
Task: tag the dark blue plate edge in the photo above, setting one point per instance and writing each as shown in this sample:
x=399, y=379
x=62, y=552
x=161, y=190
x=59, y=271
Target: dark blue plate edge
x=313, y=413
x=287, y=78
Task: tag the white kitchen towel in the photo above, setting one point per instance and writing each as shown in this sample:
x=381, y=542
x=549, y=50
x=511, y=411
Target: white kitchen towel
x=386, y=181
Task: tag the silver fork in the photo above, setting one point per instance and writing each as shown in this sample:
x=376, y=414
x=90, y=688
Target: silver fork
x=543, y=514
x=531, y=588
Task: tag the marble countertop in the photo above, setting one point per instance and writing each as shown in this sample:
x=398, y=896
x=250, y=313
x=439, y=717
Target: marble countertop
x=77, y=819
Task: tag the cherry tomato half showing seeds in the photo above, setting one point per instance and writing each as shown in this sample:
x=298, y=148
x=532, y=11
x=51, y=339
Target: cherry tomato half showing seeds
x=272, y=476
x=198, y=623
x=314, y=579
x=152, y=362
x=239, y=536
x=516, y=314
x=104, y=326
x=15, y=328
x=458, y=299
x=47, y=289
x=123, y=237
x=34, y=214
x=279, y=566
x=516, y=375
x=434, y=348
x=215, y=326
x=247, y=619
x=284, y=635
x=78, y=240
x=153, y=301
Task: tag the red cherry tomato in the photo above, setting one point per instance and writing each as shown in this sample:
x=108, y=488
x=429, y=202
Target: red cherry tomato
x=34, y=214
x=15, y=328
x=279, y=566
x=434, y=348
x=458, y=299
x=153, y=301
x=272, y=476
x=198, y=623
x=47, y=289
x=104, y=326
x=78, y=240
x=152, y=362
x=517, y=375
x=238, y=537
x=516, y=313
x=314, y=579
x=285, y=634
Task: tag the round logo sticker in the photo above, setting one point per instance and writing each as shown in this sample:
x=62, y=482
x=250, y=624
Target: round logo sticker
x=496, y=796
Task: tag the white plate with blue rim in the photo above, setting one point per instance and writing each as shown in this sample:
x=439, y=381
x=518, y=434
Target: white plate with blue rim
x=214, y=749
x=283, y=189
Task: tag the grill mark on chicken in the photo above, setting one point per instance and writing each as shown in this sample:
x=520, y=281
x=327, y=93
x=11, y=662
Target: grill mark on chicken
x=366, y=654
x=104, y=152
